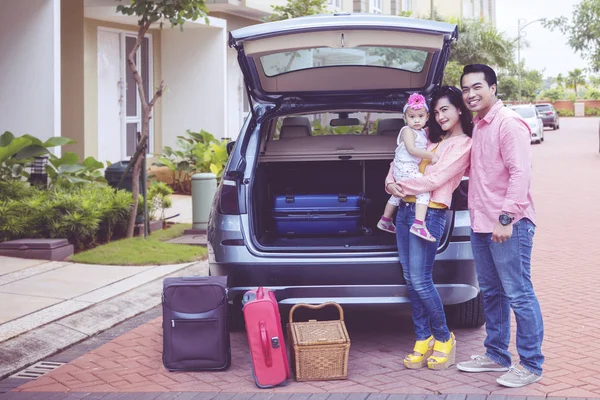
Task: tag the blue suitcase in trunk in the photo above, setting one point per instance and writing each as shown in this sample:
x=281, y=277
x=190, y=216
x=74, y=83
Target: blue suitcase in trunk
x=319, y=214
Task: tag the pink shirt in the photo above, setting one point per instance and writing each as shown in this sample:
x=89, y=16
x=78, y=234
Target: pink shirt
x=443, y=177
x=500, y=174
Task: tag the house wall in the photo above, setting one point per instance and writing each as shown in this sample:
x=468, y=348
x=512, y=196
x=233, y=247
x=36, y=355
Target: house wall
x=30, y=68
x=194, y=70
x=72, y=75
x=91, y=82
x=236, y=110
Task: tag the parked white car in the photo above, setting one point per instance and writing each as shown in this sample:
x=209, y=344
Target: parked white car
x=533, y=118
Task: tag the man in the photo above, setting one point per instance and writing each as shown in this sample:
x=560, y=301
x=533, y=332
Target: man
x=502, y=222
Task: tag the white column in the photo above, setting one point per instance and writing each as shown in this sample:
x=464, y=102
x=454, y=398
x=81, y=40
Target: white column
x=30, y=68
x=194, y=68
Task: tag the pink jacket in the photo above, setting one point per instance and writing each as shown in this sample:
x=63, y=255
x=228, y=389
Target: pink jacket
x=443, y=177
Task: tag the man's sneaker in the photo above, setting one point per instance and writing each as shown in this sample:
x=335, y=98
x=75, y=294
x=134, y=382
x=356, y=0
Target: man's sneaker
x=517, y=376
x=387, y=226
x=480, y=364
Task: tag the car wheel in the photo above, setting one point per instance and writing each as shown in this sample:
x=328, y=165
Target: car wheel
x=467, y=315
x=554, y=127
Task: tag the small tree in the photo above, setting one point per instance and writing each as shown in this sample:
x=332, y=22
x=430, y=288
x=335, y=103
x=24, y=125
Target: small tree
x=297, y=8
x=582, y=31
x=175, y=12
x=575, y=78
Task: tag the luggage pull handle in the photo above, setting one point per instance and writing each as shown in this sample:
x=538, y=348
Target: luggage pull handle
x=329, y=303
x=264, y=339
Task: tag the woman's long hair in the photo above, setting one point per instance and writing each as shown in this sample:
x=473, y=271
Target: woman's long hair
x=454, y=96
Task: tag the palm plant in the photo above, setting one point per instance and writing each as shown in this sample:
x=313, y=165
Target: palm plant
x=574, y=78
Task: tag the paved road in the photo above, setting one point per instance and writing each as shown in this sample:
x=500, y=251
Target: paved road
x=566, y=276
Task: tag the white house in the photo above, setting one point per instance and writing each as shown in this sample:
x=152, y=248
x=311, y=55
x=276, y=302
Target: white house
x=63, y=69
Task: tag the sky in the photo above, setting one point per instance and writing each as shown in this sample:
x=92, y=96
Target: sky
x=547, y=50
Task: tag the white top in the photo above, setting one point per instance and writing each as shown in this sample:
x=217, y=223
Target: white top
x=402, y=155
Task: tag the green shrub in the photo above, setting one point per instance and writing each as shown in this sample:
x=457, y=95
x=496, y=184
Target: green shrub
x=85, y=216
x=565, y=113
x=195, y=152
x=591, y=111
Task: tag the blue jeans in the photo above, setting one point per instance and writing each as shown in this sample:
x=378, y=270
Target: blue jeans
x=504, y=274
x=417, y=256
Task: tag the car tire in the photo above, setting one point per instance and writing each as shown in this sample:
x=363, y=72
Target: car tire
x=554, y=127
x=466, y=315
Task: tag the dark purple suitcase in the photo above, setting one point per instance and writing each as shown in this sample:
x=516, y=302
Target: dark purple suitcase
x=195, y=334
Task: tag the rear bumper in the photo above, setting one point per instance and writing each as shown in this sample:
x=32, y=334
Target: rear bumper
x=549, y=121
x=352, y=283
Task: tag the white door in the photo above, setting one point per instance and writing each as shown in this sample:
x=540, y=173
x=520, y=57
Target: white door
x=109, y=97
x=119, y=106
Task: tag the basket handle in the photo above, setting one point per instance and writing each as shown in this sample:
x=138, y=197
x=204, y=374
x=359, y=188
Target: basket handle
x=329, y=303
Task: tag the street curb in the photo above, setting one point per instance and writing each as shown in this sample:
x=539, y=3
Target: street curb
x=42, y=342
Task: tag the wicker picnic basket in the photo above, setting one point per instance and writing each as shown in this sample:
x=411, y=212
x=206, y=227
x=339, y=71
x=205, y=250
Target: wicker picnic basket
x=319, y=349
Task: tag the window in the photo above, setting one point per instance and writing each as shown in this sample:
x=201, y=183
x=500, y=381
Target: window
x=526, y=112
x=335, y=4
x=376, y=6
x=406, y=5
x=370, y=56
x=544, y=107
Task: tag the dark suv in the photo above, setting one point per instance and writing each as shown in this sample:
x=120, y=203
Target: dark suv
x=327, y=91
x=549, y=115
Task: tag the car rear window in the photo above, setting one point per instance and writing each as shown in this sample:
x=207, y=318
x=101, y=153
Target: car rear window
x=320, y=124
x=389, y=57
x=525, y=112
x=544, y=107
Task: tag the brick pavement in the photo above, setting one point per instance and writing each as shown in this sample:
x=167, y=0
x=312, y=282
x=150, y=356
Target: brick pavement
x=565, y=274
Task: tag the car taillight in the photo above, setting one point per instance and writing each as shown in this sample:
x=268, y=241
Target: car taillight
x=460, y=196
x=227, y=195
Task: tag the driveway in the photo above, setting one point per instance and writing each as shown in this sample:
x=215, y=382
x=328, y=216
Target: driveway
x=565, y=273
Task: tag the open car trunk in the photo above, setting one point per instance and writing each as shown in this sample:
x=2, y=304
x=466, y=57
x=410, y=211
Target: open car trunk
x=344, y=177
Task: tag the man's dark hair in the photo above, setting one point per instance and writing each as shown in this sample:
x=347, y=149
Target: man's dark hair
x=488, y=73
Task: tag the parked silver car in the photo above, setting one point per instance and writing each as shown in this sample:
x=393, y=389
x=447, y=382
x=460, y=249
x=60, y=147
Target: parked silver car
x=533, y=118
x=327, y=91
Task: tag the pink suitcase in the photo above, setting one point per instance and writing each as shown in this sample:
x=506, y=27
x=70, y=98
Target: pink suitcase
x=270, y=365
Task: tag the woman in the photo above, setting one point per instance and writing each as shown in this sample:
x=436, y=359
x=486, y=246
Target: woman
x=450, y=138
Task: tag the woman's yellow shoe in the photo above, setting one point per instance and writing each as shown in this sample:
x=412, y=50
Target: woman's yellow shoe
x=443, y=355
x=422, y=350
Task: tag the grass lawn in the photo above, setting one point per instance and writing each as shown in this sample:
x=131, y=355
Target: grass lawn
x=138, y=251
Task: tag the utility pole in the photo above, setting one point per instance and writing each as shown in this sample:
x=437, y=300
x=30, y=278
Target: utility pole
x=431, y=5
x=520, y=28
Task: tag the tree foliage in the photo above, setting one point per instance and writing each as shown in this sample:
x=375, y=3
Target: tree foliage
x=574, y=78
x=297, y=8
x=582, y=31
x=176, y=12
x=508, y=82
x=481, y=43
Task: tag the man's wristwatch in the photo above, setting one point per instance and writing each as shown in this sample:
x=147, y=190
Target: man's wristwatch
x=505, y=219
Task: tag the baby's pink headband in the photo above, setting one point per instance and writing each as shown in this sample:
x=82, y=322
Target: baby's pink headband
x=416, y=101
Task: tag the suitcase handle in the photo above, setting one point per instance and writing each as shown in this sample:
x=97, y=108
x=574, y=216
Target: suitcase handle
x=264, y=339
x=260, y=293
x=329, y=303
